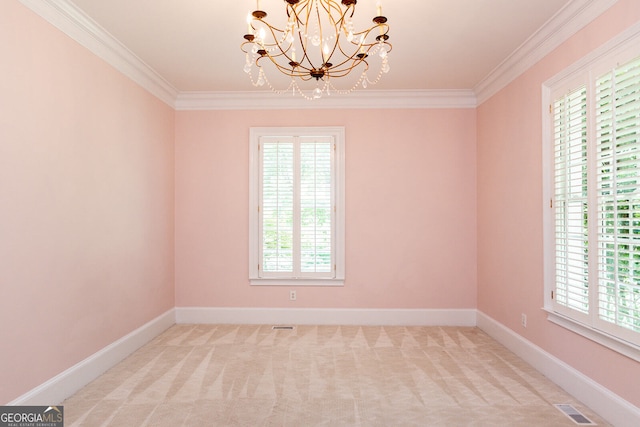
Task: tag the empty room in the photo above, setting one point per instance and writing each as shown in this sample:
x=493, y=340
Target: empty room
x=320, y=212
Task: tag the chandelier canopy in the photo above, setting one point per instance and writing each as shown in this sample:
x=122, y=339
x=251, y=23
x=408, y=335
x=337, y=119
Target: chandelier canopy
x=317, y=43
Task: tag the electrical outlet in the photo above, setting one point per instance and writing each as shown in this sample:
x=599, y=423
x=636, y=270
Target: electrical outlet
x=292, y=295
x=523, y=319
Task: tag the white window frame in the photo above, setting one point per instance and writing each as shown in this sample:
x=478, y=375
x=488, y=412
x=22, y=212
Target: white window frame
x=338, y=135
x=619, y=50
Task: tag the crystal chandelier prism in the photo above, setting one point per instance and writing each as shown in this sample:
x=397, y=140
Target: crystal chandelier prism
x=318, y=44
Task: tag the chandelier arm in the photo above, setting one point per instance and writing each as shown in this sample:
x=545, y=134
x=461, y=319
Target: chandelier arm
x=288, y=8
x=340, y=68
x=354, y=56
x=303, y=45
x=348, y=58
x=365, y=33
x=303, y=69
x=304, y=40
x=371, y=45
x=273, y=31
x=336, y=28
x=295, y=14
x=320, y=28
x=292, y=24
x=285, y=70
x=343, y=22
x=306, y=8
x=342, y=72
x=275, y=44
x=242, y=46
x=331, y=7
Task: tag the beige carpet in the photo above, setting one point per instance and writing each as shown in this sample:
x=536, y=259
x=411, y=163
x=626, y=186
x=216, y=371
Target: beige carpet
x=229, y=375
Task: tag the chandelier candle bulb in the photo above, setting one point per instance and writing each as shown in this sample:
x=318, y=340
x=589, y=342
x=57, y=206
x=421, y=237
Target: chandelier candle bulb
x=379, y=8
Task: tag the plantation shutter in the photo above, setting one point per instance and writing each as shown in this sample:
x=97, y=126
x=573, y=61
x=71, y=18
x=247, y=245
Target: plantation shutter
x=617, y=112
x=316, y=205
x=570, y=201
x=592, y=225
x=297, y=215
x=277, y=207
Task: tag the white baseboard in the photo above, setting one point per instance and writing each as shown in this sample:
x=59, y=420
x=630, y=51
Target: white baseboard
x=603, y=401
x=607, y=404
x=58, y=388
x=321, y=316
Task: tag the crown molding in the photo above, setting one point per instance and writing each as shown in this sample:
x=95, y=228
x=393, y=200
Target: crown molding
x=564, y=24
x=66, y=16
x=72, y=21
x=363, y=99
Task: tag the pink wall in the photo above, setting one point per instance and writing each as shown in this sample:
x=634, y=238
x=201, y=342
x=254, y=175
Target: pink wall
x=87, y=199
x=86, y=203
x=410, y=209
x=510, y=253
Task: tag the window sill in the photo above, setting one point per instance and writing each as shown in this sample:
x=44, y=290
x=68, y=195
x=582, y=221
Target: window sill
x=296, y=282
x=625, y=348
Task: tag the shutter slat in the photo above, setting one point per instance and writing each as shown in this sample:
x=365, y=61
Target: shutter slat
x=277, y=206
x=316, y=205
x=618, y=124
x=570, y=200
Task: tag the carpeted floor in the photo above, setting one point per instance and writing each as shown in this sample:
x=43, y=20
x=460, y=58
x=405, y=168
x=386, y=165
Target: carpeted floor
x=243, y=375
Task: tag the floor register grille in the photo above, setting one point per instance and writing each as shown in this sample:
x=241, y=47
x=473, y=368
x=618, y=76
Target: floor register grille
x=575, y=415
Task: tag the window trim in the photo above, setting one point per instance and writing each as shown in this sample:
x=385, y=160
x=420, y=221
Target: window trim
x=621, y=48
x=338, y=135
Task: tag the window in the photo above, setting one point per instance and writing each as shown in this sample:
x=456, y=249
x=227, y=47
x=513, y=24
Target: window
x=592, y=259
x=297, y=206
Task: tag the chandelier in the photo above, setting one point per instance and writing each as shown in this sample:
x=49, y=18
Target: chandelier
x=317, y=43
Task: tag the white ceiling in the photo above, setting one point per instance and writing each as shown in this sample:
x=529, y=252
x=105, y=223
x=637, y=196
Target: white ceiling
x=437, y=44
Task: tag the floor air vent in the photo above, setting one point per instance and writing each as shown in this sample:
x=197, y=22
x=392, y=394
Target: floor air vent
x=574, y=414
x=282, y=328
